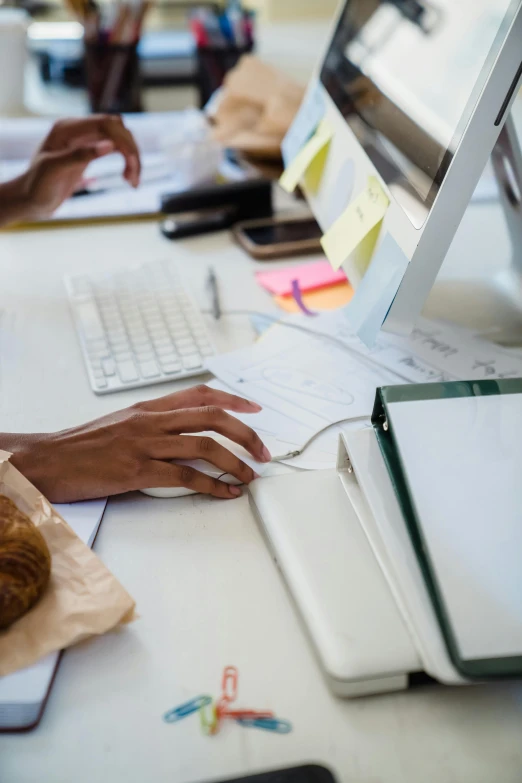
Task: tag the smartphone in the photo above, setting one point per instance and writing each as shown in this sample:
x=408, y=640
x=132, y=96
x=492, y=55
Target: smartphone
x=270, y=238
x=309, y=773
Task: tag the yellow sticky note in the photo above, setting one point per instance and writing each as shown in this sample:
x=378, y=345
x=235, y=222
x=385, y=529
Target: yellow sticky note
x=357, y=227
x=311, y=157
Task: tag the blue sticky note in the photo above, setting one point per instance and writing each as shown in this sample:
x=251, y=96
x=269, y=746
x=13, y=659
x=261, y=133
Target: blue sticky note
x=310, y=114
x=374, y=296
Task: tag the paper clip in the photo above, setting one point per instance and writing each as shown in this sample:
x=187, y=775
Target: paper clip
x=209, y=719
x=268, y=724
x=229, y=684
x=237, y=714
x=178, y=713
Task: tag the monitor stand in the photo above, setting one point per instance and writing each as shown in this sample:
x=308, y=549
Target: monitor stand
x=490, y=303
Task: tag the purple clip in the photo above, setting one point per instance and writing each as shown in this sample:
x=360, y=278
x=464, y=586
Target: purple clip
x=296, y=293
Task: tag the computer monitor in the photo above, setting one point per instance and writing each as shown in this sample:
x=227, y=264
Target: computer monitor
x=418, y=92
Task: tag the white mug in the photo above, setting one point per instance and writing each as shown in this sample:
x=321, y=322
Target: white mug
x=13, y=57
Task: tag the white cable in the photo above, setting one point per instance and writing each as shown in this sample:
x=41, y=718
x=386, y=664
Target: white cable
x=278, y=321
x=301, y=449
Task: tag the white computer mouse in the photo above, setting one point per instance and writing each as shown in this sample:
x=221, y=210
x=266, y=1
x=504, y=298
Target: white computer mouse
x=206, y=467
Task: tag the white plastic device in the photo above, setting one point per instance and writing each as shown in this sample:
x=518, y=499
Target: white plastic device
x=339, y=540
x=210, y=470
x=316, y=539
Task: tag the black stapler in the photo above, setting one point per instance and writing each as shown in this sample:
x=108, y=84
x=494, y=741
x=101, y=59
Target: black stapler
x=215, y=207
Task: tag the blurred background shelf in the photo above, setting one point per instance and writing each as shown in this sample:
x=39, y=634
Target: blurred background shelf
x=169, y=63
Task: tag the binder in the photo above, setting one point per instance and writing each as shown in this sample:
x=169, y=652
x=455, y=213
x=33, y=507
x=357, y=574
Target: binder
x=453, y=452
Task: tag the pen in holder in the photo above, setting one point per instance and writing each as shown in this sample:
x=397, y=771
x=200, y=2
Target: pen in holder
x=213, y=65
x=112, y=66
x=113, y=77
x=222, y=37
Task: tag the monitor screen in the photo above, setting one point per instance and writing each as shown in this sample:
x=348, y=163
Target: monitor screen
x=406, y=75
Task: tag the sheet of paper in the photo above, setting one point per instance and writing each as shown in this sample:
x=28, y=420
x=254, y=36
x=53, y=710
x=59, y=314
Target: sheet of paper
x=310, y=381
x=84, y=517
x=313, y=149
x=305, y=122
x=25, y=689
x=434, y=351
x=374, y=296
x=312, y=275
x=330, y=298
x=282, y=436
x=360, y=218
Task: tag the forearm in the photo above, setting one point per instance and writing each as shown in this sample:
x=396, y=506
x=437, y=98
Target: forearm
x=26, y=450
x=13, y=202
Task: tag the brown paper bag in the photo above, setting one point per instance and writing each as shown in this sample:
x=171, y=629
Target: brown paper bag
x=256, y=109
x=82, y=599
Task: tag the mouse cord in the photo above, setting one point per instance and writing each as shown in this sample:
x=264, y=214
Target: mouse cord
x=274, y=320
x=301, y=449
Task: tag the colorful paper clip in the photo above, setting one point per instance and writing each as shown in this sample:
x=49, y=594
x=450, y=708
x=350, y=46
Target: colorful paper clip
x=209, y=719
x=229, y=684
x=178, y=713
x=223, y=711
x=268, y=724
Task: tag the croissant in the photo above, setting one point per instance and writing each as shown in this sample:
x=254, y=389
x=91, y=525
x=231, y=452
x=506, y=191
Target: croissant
x=25, y=563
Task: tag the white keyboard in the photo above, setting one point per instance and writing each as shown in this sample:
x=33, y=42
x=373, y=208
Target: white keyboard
x=138, y=328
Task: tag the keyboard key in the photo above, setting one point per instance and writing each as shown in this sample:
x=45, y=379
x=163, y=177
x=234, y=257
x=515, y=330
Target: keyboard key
x=97, y=372
x=189, y=349
x=122, y=356
x=101, y=383
x=90, y=320
x=95, y=347
x=116, y=333
x=171, y=368
x=165, y=349
x=192, y=362
x=170, y=358
x=120, y=344
x=108, y=367
x=158, y=332
x=140, y=340
x=127, y=371
x=162, y=342
x=182, y=342
x=149, y=369
x=145, y=355
x=181, y=334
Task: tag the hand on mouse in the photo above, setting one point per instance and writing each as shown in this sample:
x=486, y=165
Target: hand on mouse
x=132, y=448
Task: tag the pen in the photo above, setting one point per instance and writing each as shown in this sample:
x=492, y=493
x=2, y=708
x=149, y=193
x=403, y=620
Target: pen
x=212, y=284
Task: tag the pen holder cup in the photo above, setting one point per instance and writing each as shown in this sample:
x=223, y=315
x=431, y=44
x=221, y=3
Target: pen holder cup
x=113, y=77
x=213, y=65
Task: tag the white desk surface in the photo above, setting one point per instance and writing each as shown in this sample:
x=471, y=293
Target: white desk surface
x=207, y=591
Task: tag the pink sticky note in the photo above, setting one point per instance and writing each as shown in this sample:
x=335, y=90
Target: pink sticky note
x=318, y=274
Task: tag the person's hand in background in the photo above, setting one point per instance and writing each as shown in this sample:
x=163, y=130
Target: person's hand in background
x=58, y=167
